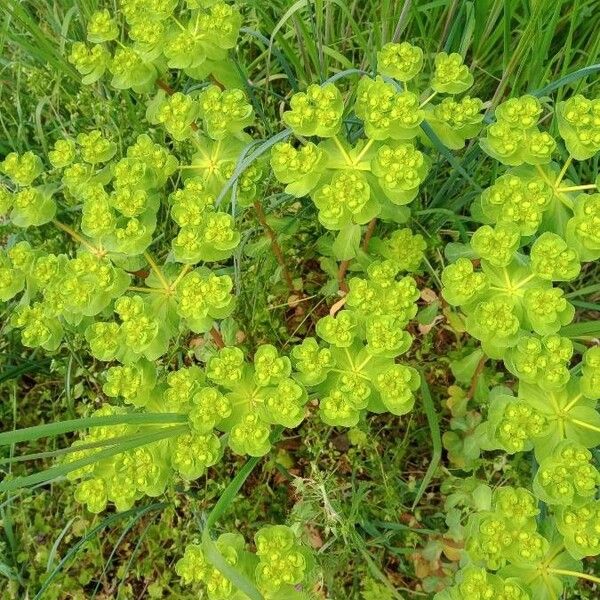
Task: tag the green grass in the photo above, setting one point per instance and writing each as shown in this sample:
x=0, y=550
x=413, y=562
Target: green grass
x=357, y=497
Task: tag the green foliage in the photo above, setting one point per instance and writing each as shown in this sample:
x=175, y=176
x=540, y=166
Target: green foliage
x=280, y=567
x=172, y=238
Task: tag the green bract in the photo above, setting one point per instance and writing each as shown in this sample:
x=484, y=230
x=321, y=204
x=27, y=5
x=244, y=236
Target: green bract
x=590, y=380
x=455, y=121
x=22, y=169
x=279, y=567
x=582, y=231
x=544, y=361
x=386, y=112
x=477, y=584
x=514, y=138
x=161, y=35
x=579, y=126
x=579, y=527
x=511, y=294
x=318, y=111
x=542, y=418
x=224, y=112
x=401, y=61
x=451, y=76
x=566, y=477
x=101, y=27
x=350, y=375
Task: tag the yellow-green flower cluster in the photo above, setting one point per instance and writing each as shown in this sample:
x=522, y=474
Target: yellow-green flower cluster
x=590, y=373
x=579, y=126
x=511, y=294
x=451, y=75
x=403, y=247
x=583, y=229
x=386, y=112
x=543, y=417
x=318, y=111
x=205, y=234
x=401, y=61
x=567, y=476
x=356, y=371
x=163, y=35
x=580, y=527
x=279, y=568
x=507, y=533
x=262, y=394
x=541, y=360
x=517, y=199
x=473, y=583
x=31, y=205
x=513, y=424
x=351, y=183
x=455, y=121
x=514, y=138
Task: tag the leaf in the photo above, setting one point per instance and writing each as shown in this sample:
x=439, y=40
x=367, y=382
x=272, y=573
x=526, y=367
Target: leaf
x=464, y=368
x=29, y=434
x=436, y=438
x=347, y=242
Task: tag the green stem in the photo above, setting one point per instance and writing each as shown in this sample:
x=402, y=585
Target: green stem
x=156, y=270
x=573, y=402
x=364, y=151
x=563, y=171
x=577, y=574
x=145, y=290
x=77, y=237
x=181, y=275
x=577, y=188
x=428, y=99
x=343, y=150
x=585, y=425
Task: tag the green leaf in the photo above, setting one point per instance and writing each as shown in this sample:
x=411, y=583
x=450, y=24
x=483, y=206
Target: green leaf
x=53, y=429
x=436, y=438
x=347, y=242
x=464, y=368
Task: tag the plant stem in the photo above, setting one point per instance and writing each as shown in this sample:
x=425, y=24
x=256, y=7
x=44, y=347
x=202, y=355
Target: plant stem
x=156, y=270
x=475, y=378
x=77, y=237
x=573, y=402
x=262, y=219
x=163, y=85
x=369, y=233
x=577, y=188
x=343, y=269
x=563, y=171
x=181, y=275
x=585, y=425
x=147, y=290
x=428, y=99
x=577, y=574
x=217, y=338
x=364, y=151
x=342, y=150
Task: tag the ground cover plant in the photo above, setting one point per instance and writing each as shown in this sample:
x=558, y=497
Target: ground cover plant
x=299, y=300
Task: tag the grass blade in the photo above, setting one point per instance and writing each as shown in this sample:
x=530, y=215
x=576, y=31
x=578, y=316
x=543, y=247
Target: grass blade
x=436, y=438
x=88, y=536
x=47, y=474
x=29, y=434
